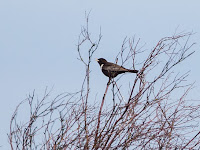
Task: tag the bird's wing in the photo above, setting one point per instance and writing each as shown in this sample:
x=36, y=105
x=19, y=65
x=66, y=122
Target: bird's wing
x=114, y=67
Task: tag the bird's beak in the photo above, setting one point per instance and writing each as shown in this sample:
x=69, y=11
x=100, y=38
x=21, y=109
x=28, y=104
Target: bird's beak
x=97, y=60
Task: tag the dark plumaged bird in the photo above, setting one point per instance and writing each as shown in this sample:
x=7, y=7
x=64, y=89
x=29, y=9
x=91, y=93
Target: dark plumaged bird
x=111, y=70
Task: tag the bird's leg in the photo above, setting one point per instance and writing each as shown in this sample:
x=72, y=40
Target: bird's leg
x=109, y=81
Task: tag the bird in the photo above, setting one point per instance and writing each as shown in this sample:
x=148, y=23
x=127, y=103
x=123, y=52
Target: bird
x=111, y=70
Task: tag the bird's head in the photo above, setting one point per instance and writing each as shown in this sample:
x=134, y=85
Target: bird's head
x=101, y=61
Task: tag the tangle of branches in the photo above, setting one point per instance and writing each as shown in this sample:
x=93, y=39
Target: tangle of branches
x=155, y=114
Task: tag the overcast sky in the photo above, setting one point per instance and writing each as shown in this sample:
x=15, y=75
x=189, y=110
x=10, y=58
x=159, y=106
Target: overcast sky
x=38, y=42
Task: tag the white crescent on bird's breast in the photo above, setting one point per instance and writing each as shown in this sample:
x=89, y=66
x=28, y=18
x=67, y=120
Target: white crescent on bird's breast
x=102, y=66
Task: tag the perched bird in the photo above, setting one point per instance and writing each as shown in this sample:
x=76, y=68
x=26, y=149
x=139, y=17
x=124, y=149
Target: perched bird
x=111, y=70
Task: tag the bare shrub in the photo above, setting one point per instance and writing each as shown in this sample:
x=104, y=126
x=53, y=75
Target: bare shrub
x=156, y=114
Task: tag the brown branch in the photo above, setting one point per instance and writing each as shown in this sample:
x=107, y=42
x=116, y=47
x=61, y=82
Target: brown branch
x=96, y=145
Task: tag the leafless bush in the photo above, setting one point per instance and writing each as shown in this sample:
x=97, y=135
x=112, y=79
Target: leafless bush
x=155, y=114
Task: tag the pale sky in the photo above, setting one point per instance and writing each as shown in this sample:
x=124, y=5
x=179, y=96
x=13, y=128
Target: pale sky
x=38, y=42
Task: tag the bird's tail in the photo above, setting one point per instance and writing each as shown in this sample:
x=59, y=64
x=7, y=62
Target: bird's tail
x=133, y=71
